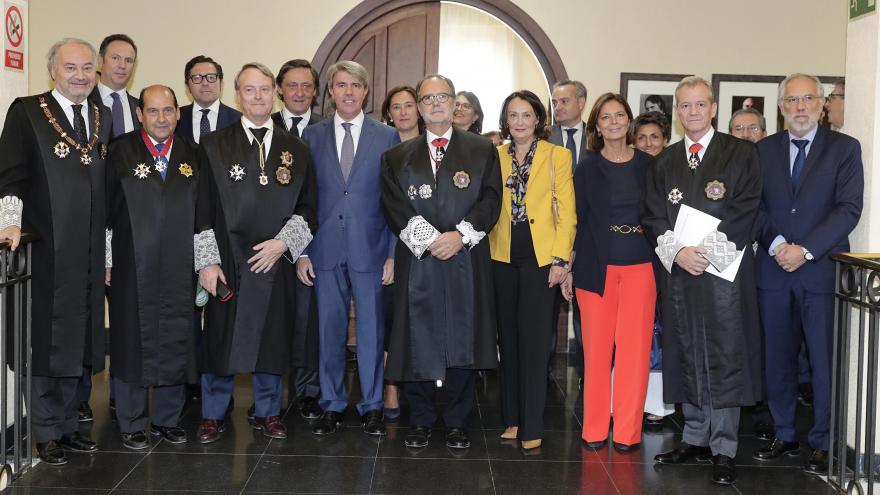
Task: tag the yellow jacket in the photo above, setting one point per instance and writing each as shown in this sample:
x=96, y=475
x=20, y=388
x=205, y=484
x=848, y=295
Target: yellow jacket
x=549, y=239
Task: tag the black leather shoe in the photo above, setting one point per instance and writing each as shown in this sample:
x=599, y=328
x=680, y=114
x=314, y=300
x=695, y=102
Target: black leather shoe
x=624, y=448
x=135, y=441
x=764, y=431
x=457, y=438
x=805, y=394
x=683, y=453
x=77, y=443
x=251, y=412
x=417, y=437
x=776, y=449
x=328, y=424
x=172, y=434
x=598, y=444
x=85, y=413
x=51, y=453
x=373, y=423
x=112, y=404
x=723, y=470
x=309, y=408
x=817, y=463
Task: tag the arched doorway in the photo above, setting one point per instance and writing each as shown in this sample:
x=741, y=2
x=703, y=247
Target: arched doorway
x=398, y=42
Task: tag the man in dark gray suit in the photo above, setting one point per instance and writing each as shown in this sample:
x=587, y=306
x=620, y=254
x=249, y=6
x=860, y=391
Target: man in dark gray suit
x=297, y=84
x=116, y=59
x=569, y=99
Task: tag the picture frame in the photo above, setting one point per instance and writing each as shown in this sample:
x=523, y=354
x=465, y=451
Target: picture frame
x=735, y=91
x=653, y=91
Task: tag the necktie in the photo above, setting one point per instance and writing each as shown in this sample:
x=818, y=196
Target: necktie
x=259, y=133
x=164, y=170
x=694, y=160
x=79, y=124
x=799, y=161
x=346, y=156
x=204, y=124
x=294, y=125
x=118, y=115
x=573, y=147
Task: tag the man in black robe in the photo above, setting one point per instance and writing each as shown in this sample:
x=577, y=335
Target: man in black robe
x=712, y=340
x=52, y=180
x=442, y=194
x=151, y=192
x=257, y=201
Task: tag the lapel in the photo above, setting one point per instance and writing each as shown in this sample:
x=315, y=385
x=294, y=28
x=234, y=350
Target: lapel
x=542, y=155
x=783, y=171
x=597, y=185
x=451, y=161
x=278, y=120
x=332, y=154
x=556, y=134
x=816, y=148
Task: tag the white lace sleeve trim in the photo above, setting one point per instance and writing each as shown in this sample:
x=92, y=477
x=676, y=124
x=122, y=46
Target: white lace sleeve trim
x=667, y=248
x=469, y=235
x=10, y=211
x=108, y=248
x=296, y=235
x=719, y=251
x=418, y=235
x=206, y=250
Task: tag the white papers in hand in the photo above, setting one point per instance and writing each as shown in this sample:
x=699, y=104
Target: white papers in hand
x=691, y=226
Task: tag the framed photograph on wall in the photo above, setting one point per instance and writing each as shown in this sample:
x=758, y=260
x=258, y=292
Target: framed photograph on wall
x=736, y=91
x=646, y=92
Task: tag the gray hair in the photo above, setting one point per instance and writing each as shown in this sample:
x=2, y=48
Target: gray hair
x=690, y=82
x=258, y=66
x=748, y=111
x=580, y=90
x=355, y=69
x=437, y=77
x=820, y=90
x=52, y=57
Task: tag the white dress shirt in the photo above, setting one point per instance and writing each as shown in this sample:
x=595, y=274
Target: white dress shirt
x=432, y=150
x=127, y=117
x=67, y=106
x=213, y=113
x=267, y=140
x=286, y=115
x=703, y=141
x=357, y=125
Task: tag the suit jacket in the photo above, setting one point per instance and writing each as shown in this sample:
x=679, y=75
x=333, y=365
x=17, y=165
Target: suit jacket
x=549, y=238
x=351, y=225
x=557, y=138
x=225, y=117
x=819, y=215
x=95, y=97
x=314, y=118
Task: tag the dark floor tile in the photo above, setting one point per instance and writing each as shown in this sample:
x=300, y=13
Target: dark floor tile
x=651, y=445
x=748, y=444
x=209, y=472
x=347, y=441
x=556, y=418
x=758, y=481
x=169, y=492
x=432, y=476
x=557, y=446
x=239, y=438
x=311, y=474
x=558, y=478
x=102, y=470
x=392, y=446
x=657, y=479
x=35, y=490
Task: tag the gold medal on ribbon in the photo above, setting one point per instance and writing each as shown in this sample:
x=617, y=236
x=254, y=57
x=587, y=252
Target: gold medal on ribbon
x=185, y=170
x=282, y=174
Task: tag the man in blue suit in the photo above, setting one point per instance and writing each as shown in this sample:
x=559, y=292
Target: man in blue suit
x=812, y=200
x=353, y=250
x=204, y=79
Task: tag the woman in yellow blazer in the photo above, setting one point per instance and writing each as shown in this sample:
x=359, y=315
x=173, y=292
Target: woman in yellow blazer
x=530, y=253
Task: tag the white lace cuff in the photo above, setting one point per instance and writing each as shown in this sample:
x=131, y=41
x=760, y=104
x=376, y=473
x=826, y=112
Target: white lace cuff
x=469, y=235
x=667, y=248
x=108, y=248
x=296, y=235
x=719, y=251
x=418, y=235
x=10, y=211
x=205, y=249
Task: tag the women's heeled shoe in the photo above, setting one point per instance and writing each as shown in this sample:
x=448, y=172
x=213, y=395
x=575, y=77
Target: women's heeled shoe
x=510, y=433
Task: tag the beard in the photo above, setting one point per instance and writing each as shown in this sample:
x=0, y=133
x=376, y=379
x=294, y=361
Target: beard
x=799, y=127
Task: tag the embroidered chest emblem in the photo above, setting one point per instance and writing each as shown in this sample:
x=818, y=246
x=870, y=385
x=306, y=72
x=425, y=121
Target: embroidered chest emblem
x=237, y=173
x=425, y=191
x=185, y=170
x=461, y=179
x=715, y=190
x=141, y=171
x=675, y=196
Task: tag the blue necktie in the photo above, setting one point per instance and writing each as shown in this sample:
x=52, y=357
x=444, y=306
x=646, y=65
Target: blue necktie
x=159, y=147
x=118, y=116
x=204, y=124
x=570, y=145
x=799, y=161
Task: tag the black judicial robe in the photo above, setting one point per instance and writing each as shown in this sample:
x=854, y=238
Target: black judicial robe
x=152, y=288
x=725, y=312
x=444, y=311
x=252, y=332
x=64, y=206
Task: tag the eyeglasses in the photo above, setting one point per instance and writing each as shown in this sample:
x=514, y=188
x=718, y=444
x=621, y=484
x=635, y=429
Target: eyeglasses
x=197, y=78
x=439, y=98
x=754, y=128
x=832, y=95
x=794, y=100
x=464, y=105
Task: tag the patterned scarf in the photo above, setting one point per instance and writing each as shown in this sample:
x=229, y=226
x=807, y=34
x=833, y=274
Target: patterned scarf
x=517, y=182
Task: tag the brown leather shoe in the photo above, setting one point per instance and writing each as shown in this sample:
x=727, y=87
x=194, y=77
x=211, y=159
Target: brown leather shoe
x=210, y=430
x=272, y=426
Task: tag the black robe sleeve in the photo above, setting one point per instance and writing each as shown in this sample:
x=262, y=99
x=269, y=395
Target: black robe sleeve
x=486, y=210
x=207, y=196
x=654, y=216
x=16, y=146
x=398, y=208
x=307, y=203
x=739, y=216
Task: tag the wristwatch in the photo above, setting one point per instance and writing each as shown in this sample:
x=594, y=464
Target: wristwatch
x=807, y=254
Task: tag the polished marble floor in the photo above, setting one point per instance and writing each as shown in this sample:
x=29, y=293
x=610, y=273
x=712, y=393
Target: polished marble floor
x=350, y=462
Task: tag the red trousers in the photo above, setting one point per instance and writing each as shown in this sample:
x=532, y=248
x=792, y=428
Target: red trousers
x=617, y=325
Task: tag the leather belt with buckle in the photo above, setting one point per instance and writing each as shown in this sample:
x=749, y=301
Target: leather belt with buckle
x=627, y=229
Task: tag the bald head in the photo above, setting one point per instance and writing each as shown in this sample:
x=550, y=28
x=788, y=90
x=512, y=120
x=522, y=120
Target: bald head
x=158, y=112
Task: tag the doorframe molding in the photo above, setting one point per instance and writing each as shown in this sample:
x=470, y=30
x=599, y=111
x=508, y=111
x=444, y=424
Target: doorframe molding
x=505, y=10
